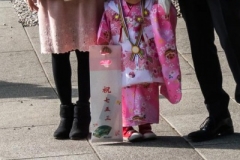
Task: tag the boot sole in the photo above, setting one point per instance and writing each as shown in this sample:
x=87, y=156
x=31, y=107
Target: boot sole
x=61, y=138
x=78, y=138
x=82, y=137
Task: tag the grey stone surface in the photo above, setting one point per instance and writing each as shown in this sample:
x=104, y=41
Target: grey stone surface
x=190, y=122
x=236, y=118
x=33, y=35
x=21, y=67
x=229, y=85
x=184, y=124
x=228, y=151
x=191, y=103
x=12, y=35
x=31, y=112
x=186, y=68
x=181, y=23
x=189, y=82
x=183, y=43
x=70, y=157
x=222, y=59
x=36, y=142
x=187, y=123
x=5, y=4
x=168, y=145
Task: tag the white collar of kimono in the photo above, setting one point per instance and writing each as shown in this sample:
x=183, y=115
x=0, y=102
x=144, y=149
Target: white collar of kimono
x=113, y=5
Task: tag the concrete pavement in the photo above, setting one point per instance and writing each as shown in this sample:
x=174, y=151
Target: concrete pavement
x=29, y=107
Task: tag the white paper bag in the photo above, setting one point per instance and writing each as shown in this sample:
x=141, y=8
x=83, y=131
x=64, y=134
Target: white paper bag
x=106, y=110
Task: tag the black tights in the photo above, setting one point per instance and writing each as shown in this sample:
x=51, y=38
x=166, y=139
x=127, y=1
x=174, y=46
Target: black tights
x=62, y=76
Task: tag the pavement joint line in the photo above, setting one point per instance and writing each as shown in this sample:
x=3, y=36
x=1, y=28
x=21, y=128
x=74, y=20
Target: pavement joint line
x=17, y=51
x=182, y=55
x=41, y=64
x=189, y=74
x=95, y=152
x=21, y=82
x=184, y=58
x=20, y=101
x=199, y=153
x=32, y=126
x=67, y=155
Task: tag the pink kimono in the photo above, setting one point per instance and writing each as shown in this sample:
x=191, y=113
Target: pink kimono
x=140, y=102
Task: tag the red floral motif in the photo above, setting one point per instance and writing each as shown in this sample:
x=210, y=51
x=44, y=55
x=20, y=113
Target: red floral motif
x=106, y=90
x=170, y=54
x=107, y=35
x=132, y=74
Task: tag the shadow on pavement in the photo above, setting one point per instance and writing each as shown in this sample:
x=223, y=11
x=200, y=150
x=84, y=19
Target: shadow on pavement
x=227, y=142
x=161, y=141
x=23, y=90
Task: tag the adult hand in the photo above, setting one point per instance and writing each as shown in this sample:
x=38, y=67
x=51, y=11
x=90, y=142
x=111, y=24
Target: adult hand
x=32, y=5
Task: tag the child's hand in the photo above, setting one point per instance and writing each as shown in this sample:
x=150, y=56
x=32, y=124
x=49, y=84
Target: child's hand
x=106, y=50
x=32, y=5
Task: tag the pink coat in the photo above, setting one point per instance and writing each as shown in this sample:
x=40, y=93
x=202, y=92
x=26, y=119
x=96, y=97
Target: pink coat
x=68, y=25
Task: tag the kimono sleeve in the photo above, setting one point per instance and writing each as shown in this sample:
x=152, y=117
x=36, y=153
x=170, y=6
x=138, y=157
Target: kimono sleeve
x=104, y=33
x=164, y=26
x=163, y=21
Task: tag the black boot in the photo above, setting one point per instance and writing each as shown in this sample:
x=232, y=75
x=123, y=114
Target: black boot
x=64, y=128
x=81, y=122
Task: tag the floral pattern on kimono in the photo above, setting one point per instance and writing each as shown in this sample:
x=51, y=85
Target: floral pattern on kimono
x=111, y=31
x=140, y=104
x=164, y=27
x=137, y=107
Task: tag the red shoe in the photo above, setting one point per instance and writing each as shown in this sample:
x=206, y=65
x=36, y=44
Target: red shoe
x=131, y=135
x=146, y=131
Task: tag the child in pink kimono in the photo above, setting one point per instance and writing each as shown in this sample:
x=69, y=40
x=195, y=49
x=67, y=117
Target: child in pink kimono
x=146, y=31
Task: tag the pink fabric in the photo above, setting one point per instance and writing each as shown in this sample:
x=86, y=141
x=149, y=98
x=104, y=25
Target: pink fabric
x=140, y=104
x=164, y=35
x=160, y=57
x=149, y=68
x=68, y=25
